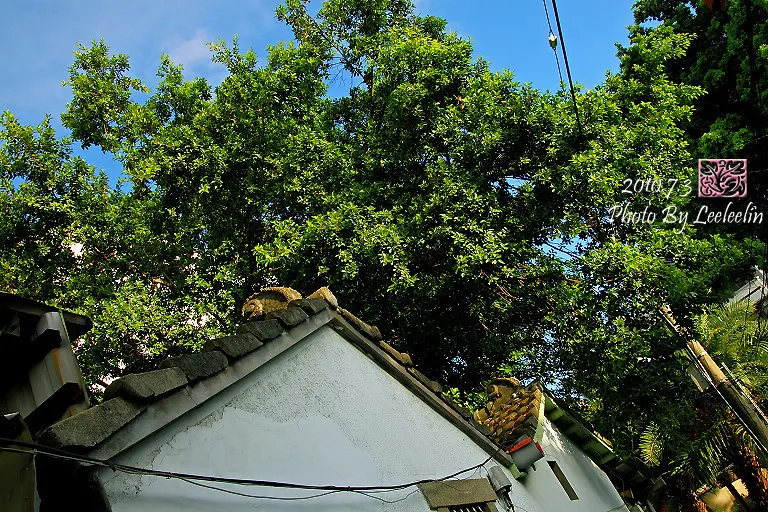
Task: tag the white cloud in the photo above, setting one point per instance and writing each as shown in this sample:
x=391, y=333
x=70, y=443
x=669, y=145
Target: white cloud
x=193, y=52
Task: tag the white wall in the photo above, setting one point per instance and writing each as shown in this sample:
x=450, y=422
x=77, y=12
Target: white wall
x=320, y=413
x=591, y=484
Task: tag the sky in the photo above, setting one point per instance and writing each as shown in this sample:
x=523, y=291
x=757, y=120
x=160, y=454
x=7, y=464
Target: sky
x=37, y=38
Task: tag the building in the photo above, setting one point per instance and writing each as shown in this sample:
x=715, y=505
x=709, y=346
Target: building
x=306, y=393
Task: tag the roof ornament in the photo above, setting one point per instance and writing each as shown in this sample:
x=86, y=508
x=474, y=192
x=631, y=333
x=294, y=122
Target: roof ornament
x=268, y=299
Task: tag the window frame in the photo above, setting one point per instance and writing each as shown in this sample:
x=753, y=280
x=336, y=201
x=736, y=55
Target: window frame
x=563, y=480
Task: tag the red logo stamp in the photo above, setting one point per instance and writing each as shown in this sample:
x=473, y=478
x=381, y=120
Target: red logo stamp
x=723, y=178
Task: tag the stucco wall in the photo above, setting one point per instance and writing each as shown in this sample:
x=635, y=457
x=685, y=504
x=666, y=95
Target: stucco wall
x=320, y=413
x=591, y=484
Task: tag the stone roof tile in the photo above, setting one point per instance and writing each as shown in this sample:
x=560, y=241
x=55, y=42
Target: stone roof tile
x=327, y=295
x=234, y=346
x=87, y=429
x=288, y=317
x=147, y=387
x=264, y=330
x=310, y=306
x=198, y=366
x=434, y=386
x=401, y=357
x=371, y=331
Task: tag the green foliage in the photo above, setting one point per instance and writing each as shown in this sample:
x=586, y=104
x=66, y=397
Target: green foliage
x=652, y=445
x=727, y=59
x=102, y=96
x=429, y=197
x=713, y=439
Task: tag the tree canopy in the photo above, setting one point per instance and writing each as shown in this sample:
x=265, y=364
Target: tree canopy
x=465, y=214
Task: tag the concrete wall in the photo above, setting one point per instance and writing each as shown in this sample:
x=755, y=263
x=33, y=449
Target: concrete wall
x=591, y=484
x=320, y=413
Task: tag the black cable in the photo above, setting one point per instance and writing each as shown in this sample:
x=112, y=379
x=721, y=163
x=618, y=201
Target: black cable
x=554, y=48
x=37, y=449
x=256, y=496
x=559, y=72
x=546, y=11
x=567, y=68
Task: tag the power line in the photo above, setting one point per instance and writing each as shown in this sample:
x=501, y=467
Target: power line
x=553, y=42
x=37, y=449
x=567, y=68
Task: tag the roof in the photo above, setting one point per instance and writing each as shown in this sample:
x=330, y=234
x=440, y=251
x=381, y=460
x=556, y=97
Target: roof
x=39, y=374
x=278, y=321
x=30, y=311
x=518, y=411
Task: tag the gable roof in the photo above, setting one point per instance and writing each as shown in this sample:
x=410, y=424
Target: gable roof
x=518, y=411
x=137, y=405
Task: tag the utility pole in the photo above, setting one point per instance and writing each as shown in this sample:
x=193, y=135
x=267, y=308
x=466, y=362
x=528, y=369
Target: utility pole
x=745, y=410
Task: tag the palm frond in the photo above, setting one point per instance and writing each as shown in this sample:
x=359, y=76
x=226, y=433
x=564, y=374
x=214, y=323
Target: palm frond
x=651, y=445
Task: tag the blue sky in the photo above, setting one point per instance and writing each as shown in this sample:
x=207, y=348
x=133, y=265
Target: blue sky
x=37, y=38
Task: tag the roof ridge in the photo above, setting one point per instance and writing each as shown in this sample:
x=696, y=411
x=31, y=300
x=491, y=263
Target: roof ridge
x=269, y=313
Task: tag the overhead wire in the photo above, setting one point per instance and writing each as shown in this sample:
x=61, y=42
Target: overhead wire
x=195, y=479
x=554, y=46
x=567, y=68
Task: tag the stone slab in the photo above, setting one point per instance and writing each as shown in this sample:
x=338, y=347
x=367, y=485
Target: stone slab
x=288, y=317
x=87, y=429
x=370, y=331
x=147, y=387
x=198, y=366
x=400, y=357
x=310, y=306
x=435, y=387
x=235, y=346
x=264, y=330
x=326, y=294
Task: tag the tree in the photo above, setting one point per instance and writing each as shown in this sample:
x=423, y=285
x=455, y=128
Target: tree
x=397, y=194
x=461, y=212
x=715, y=448
x=71, y=240
x=726, y=58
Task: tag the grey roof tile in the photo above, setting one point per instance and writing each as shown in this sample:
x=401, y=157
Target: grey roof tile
x=288, y=317
x=371, y=331
x=87, y=429
x=235, y=346
x=400, y=357
x=434, y=386
x=198, y=366
x=146, y=387
x=263, y=329
x=310, y=306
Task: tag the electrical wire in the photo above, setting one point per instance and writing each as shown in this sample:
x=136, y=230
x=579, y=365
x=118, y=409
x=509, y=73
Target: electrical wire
x=567, y=68
x=192, y=479
x=256, y=496
x=37, y=449
x=554, y=48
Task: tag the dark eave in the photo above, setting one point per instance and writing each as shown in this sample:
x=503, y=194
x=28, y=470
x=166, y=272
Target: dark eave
x=30, y=311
